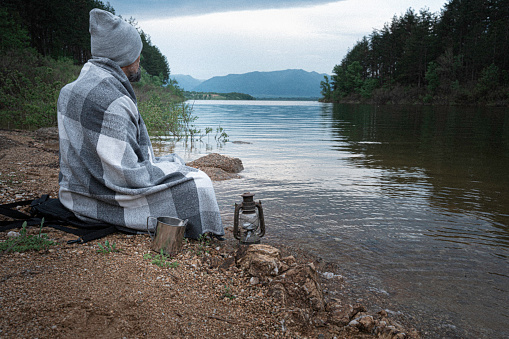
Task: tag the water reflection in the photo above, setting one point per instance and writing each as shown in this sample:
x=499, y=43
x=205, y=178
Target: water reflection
x=409, y=201
x=455, y=159
x=458, y=156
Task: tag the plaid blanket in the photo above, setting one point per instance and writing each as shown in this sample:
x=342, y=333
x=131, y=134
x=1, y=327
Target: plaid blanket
x=108, y=171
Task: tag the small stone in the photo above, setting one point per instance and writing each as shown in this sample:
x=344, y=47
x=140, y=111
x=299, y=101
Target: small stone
x=328, y=275
x=299, y=285
x=13, y=234
x=338, y=314
x=353, y=323
x=254, y=281
x=289, y=260
x=261, y=260
x=366, y=324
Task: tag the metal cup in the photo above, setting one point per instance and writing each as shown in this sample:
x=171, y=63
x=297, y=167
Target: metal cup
x=168, y=235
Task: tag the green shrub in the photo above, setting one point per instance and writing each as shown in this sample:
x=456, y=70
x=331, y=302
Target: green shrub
x=29, y=88
x=30, y=85
x=163, y=110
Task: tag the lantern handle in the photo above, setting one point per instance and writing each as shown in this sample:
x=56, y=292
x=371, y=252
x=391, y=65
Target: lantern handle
x=236, y=231
x=262, y=220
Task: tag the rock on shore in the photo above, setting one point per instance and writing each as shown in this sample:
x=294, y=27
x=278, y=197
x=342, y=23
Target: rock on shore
x=297, y=286
x=218, y=167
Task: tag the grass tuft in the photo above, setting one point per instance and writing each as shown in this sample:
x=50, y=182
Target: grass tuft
x=161, y=260
x=25, y=242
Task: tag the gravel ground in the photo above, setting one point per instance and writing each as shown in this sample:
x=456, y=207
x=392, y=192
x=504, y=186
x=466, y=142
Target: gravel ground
x=77, y=291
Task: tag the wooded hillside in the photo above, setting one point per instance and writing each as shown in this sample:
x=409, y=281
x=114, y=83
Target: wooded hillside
x=44, y=43
x=59, y=28
x=459, y=56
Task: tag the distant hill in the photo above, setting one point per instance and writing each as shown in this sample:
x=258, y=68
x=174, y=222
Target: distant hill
x=186, y=82
x=292, y=83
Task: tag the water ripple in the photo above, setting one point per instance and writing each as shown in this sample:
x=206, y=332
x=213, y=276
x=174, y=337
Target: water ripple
x=402, y=202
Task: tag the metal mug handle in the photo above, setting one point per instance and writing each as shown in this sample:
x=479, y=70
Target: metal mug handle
x=152, y=236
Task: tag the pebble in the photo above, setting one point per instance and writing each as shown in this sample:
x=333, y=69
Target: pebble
x=328, y=275
x=13, y=234
x=353, y=323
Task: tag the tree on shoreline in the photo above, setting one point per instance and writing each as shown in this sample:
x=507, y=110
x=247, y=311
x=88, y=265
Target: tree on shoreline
x=57, y=28
x=431, y=58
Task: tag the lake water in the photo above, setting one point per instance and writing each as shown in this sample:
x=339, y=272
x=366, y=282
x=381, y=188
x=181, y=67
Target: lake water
x=412, y=203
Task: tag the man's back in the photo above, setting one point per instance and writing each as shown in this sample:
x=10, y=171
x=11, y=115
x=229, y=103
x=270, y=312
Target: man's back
x=108, y=171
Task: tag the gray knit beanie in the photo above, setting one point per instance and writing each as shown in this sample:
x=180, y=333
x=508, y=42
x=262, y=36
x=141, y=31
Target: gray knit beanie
x=114, y=38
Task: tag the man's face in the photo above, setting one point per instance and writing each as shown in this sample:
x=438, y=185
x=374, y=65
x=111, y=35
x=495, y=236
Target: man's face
x=135, y=76
x=133, y=71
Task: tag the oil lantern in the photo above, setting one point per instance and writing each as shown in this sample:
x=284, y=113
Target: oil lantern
x=248, y=225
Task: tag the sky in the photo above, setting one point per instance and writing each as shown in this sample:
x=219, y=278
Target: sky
x=216, y=38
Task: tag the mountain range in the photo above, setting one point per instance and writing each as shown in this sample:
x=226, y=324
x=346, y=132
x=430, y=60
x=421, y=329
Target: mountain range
x=291, y=83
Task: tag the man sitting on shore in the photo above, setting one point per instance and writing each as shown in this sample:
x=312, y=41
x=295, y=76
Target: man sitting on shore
x=108, y=171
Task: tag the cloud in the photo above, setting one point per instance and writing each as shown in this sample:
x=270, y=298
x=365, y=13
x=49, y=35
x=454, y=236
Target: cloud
x=144, y=9
x=237, y=42
x=222, y=41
